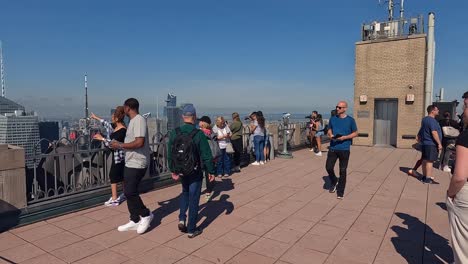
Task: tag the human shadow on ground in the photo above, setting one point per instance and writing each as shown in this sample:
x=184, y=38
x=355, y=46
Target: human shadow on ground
x=212, y=210
x=416, y=174
x=224, y=185
x=172, y=205
x=442, y=205
x=7, y=260
x=9, y=216
x=418, y=243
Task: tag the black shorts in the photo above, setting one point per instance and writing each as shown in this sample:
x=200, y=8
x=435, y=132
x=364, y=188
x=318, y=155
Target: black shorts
x=430, y=153
x=116, y=173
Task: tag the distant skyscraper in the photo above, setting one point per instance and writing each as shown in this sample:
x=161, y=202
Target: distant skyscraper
x=50, y=131
x=18, y=128
x=172, y=112
x=171, y=100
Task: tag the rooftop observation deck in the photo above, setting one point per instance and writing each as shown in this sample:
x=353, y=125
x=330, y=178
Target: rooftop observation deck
x=278, y=213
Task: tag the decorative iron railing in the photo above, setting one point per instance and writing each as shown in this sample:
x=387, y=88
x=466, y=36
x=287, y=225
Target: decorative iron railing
x=69, y=168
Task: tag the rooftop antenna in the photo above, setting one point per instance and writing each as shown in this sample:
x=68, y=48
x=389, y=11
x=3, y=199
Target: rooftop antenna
x=402, y=9
x=86, y=96
x=391, y=5
x=157, y=107
x=2, y=73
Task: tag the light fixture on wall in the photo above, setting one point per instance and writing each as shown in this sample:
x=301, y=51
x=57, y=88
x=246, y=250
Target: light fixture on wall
x=363, y=99
x=409, y=98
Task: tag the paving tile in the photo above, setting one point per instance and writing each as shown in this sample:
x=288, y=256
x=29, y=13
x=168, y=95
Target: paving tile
x=297, y=224
x=162, y=234
x=222, y=226
x=187, y=245
x=104, y=257
x=21, y=253
x=43, y=259
x=216, y=253
x=373, y=224
x=116, y=220
x=102, y=214
x=347, y=260
x=286, y=235
x=91, y=230
x=193, y=260
x=57, y=241
x=40, y=232
x=134, y=247
x=255, y=228
x=246, y=212
x=9, y=240
x=237, y=239
x=112, y=238
x=313, y=212
x=268, y=248
x=322, y=238
x=161, y=255
x=246, y=257
x=358, y=246
x=27, y=227
x=74, y=222
x=77, y=251
x=300, y=255
x=340, y=218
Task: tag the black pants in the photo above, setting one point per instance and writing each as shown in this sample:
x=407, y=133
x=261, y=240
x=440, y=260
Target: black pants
x=238, y=147
x=132, y=178
x=343, y=157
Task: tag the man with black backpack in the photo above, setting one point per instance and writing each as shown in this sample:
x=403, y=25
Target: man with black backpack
x=188, y=154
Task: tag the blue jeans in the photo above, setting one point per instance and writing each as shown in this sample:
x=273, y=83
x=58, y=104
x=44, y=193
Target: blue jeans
x=259, y=143
x=224, y=164
x=189, y=200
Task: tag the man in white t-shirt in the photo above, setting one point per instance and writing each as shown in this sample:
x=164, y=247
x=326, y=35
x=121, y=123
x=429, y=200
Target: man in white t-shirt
x=137, y=154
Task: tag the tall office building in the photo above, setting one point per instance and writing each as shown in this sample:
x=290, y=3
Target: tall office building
x=172, y=112
x=19, y=128
x=48, y=130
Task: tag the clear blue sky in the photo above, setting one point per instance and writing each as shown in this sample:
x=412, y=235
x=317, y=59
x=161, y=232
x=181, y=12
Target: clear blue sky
x=243, y=54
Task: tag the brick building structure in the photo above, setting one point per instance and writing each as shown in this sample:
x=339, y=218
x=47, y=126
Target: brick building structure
x=389, y=93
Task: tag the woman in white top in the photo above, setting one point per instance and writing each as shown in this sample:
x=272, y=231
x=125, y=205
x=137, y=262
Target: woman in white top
x=223, y=133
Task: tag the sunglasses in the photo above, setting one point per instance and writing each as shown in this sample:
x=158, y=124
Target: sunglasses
x=340, y=107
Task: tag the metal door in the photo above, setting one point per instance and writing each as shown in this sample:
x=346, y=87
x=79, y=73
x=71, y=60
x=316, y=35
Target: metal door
x=385, y=122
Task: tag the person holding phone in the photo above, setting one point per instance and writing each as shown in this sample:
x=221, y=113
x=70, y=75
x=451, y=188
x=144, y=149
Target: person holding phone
x=114, y=131
x=342, y=129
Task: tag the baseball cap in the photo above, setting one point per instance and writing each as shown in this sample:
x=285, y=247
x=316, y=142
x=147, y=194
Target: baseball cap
x=205, y=119
x=189, y=110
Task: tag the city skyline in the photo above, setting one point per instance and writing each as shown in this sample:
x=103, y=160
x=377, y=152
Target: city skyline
x=283, y=57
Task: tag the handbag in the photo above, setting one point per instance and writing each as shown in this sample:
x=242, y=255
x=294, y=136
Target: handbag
x=450, y=132
x=214, y=146
x=229, y=148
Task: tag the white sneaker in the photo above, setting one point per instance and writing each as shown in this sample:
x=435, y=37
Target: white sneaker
x=262, y=163
x=311, y=149
x=447, y=168
x=319, y=154
x=145, y=223
x=129, y=226
x=108, y=202
x=255, y=163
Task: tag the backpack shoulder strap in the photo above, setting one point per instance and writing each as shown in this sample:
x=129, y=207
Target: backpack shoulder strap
x=194, y=132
